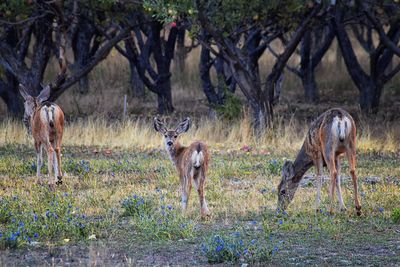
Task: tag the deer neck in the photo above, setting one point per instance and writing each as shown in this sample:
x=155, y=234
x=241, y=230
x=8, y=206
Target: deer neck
x=302, y=163
x=175, y=152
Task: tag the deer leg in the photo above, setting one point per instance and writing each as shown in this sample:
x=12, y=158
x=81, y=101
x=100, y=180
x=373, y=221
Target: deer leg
x=319, y=166
x=186, y=185
x=338, y=188
x=50, y=155
x=351, y=155
x=39, y=158
x=57, y=162
x=330, y=162
x=203, y=203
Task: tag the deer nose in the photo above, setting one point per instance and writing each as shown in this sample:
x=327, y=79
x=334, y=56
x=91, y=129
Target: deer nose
x=169, y=143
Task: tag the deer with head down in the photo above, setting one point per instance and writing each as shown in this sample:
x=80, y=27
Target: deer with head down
x=191, y=162
x=330, y=136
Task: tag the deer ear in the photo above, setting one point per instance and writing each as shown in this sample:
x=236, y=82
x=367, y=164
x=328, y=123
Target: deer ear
x=183, y=126
x=24, y=92
x=159, y=126
x=287, y=170
x=44, y=94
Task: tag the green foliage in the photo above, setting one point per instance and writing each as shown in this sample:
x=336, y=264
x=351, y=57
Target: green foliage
x=15, y=10
x=274, y=166
x=232, y=107
x=220, y=248
x=23, y=222
x=396, y=215
x=156, y=220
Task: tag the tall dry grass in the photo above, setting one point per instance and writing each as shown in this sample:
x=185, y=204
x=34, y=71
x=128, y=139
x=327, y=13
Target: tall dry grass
x=286, y=137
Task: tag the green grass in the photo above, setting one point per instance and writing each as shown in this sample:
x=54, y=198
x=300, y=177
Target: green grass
x=102, y=191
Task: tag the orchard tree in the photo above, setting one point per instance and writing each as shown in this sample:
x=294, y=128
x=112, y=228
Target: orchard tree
x=240, y=31
x=383, y=18
x=31, y=32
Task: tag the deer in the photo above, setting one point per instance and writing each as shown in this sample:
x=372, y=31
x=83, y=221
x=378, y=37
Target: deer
x=45, y=121
x=330, y=136
x=191, y=162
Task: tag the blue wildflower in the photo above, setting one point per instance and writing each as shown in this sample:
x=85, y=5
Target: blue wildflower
x=280, y=222
x=219, y=248
x=36, y=235
x=381, y=209
x=47, y=213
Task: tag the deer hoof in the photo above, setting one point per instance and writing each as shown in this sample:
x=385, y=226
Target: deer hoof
x=358, y=209
x=59, y=180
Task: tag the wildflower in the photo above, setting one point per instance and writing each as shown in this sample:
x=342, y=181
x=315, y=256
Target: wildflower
x=280, y=222
x=36, y=235
x=47, y=213
x=219, y=248
x=169, y=207
x=35, y=217
x=92, y=237
x=66, y=240
x=253, y=222
x=381, y=209
x=112, y=174
x=15, y=198
x=65, y=194
x=21, y=224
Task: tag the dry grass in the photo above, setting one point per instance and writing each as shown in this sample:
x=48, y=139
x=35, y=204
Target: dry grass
x=286, y=136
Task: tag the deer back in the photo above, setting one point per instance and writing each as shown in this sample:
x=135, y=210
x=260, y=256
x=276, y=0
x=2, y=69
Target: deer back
x=47, y=122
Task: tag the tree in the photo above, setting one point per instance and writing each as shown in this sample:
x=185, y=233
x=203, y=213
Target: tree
x=19, y=24
x=154, y=47
x=242, y=57
x=372, y=15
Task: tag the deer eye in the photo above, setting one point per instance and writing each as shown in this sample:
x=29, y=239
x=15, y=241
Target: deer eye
x=175, y=136
x=165, y=136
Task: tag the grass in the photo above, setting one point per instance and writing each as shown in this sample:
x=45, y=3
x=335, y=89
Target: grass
x=126, y=191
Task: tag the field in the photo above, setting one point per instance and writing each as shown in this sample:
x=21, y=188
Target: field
x=120, y=201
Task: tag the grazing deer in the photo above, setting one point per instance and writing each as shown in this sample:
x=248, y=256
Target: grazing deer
x=332, y=134
x=191, y=162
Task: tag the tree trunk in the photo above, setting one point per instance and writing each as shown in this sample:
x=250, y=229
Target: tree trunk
x=307, y=69
x=181, y=54
x=81, y=46
x=369, y=98
x=310, y=87
x=137, y=86
x=164, y=98
x=10, y=95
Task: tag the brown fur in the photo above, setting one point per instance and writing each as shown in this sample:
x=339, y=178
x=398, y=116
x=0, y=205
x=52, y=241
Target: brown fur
x=46, y=121
x=323, y=146
x=185, y=160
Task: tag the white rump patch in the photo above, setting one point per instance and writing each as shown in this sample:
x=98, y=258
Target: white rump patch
x=197, y=158
x=341, y=127
x=47, y=114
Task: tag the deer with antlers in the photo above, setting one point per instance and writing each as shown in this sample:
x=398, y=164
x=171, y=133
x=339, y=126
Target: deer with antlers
x=330, y=136
x=191, y=162
x=45, y=121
